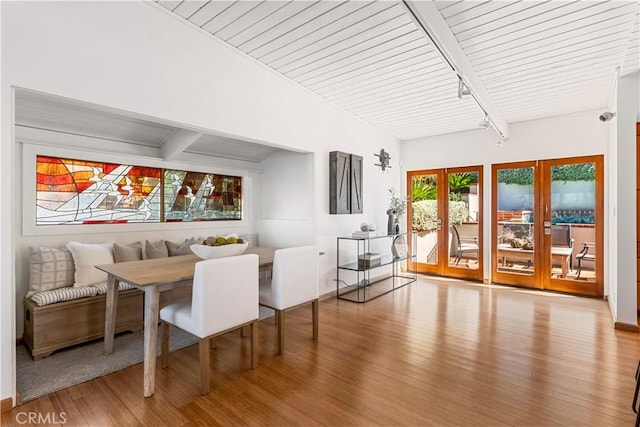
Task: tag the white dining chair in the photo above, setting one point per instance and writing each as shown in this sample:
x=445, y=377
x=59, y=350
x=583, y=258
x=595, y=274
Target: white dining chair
x=224, y=298
x=294, y=282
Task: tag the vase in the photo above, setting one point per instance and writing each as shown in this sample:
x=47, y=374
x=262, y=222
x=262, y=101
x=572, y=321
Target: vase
x=391, y=221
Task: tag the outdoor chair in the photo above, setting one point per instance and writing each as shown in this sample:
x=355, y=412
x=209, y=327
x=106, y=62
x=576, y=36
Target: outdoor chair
x=584, y=255
x=465, y=244
x=561, y=237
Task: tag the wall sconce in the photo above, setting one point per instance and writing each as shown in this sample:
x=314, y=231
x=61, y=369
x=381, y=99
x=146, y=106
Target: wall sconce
x=384, y=160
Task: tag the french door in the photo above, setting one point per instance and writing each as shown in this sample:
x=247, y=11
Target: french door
x=445, y=208
x=547, y=224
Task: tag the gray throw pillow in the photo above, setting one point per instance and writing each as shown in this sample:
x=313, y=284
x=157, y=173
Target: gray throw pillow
x=155, y=249
x=125, y=253
x=176, y=249
x=49, y=268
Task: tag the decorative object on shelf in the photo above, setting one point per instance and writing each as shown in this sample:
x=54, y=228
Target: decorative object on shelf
x=391, y=221
x=367, y=227
x=399, y=247
x=345, y=183
x=397, y=208
x=369, y=259
x=384, y=159
x=364, y=234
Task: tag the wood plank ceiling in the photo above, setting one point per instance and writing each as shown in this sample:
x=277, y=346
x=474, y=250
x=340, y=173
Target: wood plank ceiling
x=535, y=58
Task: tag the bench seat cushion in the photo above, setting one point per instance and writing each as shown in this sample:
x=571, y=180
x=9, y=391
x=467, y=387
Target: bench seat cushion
x=72, y=293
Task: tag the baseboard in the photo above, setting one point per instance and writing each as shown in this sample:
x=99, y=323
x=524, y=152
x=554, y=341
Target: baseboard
x=327, y=295
x=627, y=327
x=19, y=341
x=6, y=405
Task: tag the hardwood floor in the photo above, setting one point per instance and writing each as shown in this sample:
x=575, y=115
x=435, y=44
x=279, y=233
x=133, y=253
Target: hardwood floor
x=437, y=352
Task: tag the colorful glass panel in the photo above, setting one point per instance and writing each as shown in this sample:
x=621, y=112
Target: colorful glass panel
x=83, y=192
x=197, y=196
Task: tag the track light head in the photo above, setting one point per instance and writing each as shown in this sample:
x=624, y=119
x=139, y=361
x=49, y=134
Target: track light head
x=463, y=90
x=606, y=116
x=485, y=123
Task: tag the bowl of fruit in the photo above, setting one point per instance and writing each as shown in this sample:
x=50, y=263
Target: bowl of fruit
x=219, y=246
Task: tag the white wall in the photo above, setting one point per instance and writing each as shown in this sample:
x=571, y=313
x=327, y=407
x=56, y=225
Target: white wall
x=556, y=137
x=610, y=199
x=624, y=202
x=135, y=57
x=287, y=214
x=7, y=292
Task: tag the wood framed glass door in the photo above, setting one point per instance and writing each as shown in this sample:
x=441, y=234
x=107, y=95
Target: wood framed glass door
x=515, y=200
x=547, y=224
x=445, y=208
x=572, y=213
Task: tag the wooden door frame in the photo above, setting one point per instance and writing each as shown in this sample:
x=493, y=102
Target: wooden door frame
x=459, y=272
x=531, y=281
x=442, y=268
x=541, y=279
x=567, y=285
x=438, y=268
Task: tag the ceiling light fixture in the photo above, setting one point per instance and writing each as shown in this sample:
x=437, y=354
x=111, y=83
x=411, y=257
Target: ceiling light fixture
x=428, y=18
x=463, y=90
x=485, y=123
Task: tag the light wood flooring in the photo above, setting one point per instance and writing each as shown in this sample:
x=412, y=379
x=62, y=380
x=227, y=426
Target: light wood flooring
x=437, y=352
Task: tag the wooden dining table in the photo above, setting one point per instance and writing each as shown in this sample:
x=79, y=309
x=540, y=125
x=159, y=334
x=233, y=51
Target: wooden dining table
x=152, y=276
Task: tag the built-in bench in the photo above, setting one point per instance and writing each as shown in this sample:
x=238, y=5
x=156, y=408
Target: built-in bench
x=58, y=316
x=51, y=327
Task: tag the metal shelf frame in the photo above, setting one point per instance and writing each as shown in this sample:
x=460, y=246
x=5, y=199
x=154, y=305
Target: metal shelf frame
x=387, y=276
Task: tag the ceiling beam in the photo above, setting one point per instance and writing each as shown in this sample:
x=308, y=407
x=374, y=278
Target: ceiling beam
x=179, y=141
x=427, y=17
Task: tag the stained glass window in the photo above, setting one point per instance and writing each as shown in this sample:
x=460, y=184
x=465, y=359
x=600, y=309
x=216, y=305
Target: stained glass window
x=197, y=196
x=81, y=192
x=86, y=192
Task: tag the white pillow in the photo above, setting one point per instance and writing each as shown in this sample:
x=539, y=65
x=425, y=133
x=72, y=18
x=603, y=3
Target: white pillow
x=85, y=257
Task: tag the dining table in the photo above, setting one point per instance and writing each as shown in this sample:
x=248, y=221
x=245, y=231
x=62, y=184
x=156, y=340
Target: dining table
x=153, y=276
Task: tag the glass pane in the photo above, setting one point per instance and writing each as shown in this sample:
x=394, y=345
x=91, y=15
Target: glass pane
x=463, y=220
x=82, y=192
x=515, y=235
x=573, y=202
x=197, y=196
x=424, y=220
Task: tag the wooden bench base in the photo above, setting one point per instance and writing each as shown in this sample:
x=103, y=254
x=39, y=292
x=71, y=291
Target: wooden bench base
x=52, y=327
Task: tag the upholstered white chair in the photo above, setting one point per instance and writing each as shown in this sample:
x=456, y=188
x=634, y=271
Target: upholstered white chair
x=224, y=298
x=294, y=282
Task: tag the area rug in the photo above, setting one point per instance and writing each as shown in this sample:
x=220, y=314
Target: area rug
x=85, y=362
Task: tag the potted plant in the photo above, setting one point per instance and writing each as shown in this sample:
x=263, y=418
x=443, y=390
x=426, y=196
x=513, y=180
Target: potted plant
x=397, y=208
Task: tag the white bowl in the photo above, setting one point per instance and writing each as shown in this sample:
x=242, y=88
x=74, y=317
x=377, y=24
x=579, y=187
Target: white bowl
x=209, y=252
